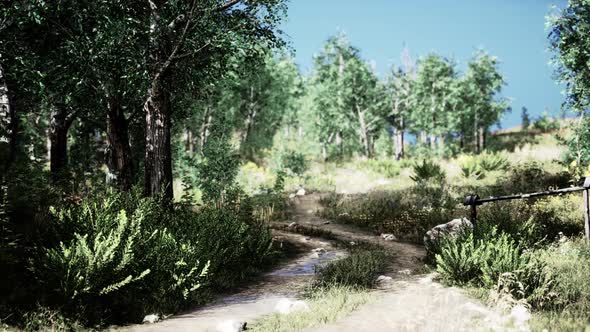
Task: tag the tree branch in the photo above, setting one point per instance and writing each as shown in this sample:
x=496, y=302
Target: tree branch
x=227, y=5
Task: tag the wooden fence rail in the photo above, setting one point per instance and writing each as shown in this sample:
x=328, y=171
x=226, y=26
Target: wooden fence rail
x=474, y=201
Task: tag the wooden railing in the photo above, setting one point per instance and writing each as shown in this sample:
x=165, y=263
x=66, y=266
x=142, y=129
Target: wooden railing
x=474, y=201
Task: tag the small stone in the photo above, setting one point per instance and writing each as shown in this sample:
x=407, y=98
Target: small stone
x=151, y=319
x=405, y=272
x=326, y=223
x=300, y=192
x=285, y=306
x=388, y=237
x=293, y=225
x=231, y=325
x=453, y=228
x=319, y=250
x=352, y=243
x=383, y=279
x=291, y=196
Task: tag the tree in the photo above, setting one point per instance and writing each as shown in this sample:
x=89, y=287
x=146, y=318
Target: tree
x=401, y=88
x=569, y=40
x=182, y=37
x=350, y=100
x=483, y=86
x=524, y=115
x=433, y=89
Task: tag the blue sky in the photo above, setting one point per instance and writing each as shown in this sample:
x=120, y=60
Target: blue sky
x=512, y=30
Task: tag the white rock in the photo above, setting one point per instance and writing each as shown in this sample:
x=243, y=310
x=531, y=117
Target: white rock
x=452, y=228
x=352, y=243
x=291, y=195
x=150, y=319
x=326, y=223
x=231, y=325
x=520, y=314
x=319, y=250
x=293, y=224
x=285, y=306
x=300, y=192
x=405, y=272
x=384, y=279
x=388, y=237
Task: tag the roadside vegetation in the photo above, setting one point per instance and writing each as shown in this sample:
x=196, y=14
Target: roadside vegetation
x=339, y=288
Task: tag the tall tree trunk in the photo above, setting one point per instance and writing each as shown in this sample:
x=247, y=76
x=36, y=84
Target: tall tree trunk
x=423, y=137
x=250, y=117
x=364, y=132
x=190, y=144
x=8, y=125
x=158, y=153
x=399, y=144
x=119, y=156
x=482, y=139
x=476, y=140
x=339, y=142
x=204, y=131
x=432, y=141
x=58, y=136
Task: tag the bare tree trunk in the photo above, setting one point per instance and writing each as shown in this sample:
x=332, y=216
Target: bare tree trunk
x=481, y=139
x=250, y=116
x=8, y=125
x=399, y=144
x=204, y=131
x=364, y=133
x=190, y=144
x=58, y=136
x=432, y=141
x=158, y=155
x=119, y=157
x=423, y=137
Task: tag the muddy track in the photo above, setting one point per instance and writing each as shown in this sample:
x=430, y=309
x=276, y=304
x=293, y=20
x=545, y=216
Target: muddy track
x=409, y=302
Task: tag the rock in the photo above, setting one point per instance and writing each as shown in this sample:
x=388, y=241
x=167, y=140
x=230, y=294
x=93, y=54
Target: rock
x=520, y=315
x=383, y=279
x=352, y=243
x=405, y=272
x=291, y=196
x=285, y=306
x=231, y=325
x=293, y=225
x=319, y=250
x=388, y=237
x=326, y=223
x=300, y=192
x=150, y=319
x=452, y=228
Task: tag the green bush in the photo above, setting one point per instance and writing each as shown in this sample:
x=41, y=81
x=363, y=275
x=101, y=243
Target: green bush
x=407, y=213
x=295, y=162
x=494, y=260
x=426, y=171
x=471, y=170
x=117, y=256
x=386, y=167
x=531, y=177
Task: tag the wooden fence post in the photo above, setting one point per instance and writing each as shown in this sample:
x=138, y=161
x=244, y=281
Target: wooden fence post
x=586, y=208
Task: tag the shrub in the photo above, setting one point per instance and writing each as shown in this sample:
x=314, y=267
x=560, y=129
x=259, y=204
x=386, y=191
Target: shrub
x=471, y=170
x=493, y=259
x=531, y=177
x=407, y=213
x=118, y=256
x=492, y=161
x=295, y=162
x=386, y=167
x=426, y=171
